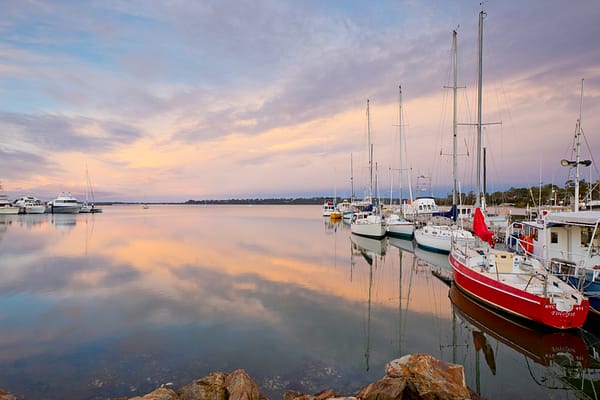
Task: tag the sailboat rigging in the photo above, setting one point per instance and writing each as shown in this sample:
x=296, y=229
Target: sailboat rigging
x=396, y=224
x=515, y=283
x=369, y=223
x=437, y=237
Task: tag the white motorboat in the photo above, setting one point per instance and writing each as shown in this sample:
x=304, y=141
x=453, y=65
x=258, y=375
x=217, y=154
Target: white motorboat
x=328, y=208
x=30, y=205
x=64, y=204
x=568, y=242
x=6, y=209
x=5, y=206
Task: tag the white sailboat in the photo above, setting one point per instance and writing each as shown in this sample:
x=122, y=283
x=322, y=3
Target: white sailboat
x=436, y=237
x=88, y=205
x=368, y=223
x=396, y=224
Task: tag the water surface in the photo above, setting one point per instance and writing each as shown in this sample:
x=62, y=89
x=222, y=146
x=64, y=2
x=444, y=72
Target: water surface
x=116, y=304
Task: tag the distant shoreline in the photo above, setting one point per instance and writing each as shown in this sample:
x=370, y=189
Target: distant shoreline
x=501, y=209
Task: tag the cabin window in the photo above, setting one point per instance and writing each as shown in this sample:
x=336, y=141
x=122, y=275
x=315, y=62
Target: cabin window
x=586, y=237
x=554, y=237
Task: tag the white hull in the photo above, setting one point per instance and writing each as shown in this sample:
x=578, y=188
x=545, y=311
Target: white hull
x=369, y=226
x=402, y=230
x=40, y=209
x=65, y=204
x=30, y=205
x=399, y=227
x=9, y=210
x=439, y=238
x=65, y=209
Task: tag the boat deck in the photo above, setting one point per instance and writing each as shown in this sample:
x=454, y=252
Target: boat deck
x=503, y=267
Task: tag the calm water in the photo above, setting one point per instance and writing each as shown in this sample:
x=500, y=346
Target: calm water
x=116, y=304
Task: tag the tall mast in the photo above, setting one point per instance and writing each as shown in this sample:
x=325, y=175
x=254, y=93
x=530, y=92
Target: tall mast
x=577, y=150
x=400, y=135
x=370, y=153
x=479, y=100
x=454, y=50
x=351, y=179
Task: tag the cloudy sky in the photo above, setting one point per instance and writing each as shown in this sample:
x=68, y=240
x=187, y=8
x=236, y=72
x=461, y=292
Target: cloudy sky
x=178, y=100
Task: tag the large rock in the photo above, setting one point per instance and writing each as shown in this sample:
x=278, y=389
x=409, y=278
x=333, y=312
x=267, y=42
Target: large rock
x=384, y=389
x=240, y=386
x=211, y=387
x=423, y=377
x=220, y=386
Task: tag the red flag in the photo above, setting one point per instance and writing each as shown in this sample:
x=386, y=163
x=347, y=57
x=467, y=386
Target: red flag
x=480, y=228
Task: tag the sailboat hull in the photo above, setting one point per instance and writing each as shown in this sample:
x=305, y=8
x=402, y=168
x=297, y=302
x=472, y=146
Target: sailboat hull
x=439, y=238
x=368, y=224
x=401, y=229
x=493, y=289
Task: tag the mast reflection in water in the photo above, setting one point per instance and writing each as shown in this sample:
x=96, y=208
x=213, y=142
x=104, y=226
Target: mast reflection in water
x=116, y=304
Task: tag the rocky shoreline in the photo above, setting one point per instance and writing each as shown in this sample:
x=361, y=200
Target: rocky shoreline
x=412, y=377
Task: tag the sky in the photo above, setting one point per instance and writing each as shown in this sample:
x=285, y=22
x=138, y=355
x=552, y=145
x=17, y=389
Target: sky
x=179, y=100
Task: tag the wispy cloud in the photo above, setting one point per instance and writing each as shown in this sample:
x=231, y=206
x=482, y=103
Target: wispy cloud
x=173, y=86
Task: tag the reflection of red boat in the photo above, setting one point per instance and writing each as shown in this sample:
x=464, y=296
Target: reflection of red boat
x=543, y=346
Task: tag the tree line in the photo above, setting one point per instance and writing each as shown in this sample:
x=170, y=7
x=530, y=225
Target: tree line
x=548, y=194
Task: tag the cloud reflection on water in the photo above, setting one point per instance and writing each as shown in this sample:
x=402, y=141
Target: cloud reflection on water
x=128, y=298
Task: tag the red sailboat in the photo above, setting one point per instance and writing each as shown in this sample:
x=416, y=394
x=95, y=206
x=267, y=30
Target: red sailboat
x=515, y=284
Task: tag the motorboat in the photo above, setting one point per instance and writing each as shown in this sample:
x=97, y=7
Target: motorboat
x=328, y=208
x=569, y=245
x=30, y=205
x=568, y=242
x=64, y=204
x=5, y=206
